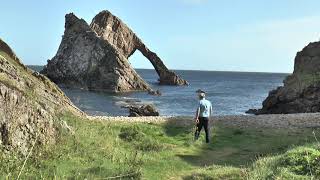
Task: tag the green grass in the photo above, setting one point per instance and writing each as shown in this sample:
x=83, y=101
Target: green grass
x=163, y=151
x=299, y=163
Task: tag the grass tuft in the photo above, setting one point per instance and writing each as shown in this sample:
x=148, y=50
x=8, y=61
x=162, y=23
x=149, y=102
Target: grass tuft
x=130, y=134
x=140, y=140
x=302, y=161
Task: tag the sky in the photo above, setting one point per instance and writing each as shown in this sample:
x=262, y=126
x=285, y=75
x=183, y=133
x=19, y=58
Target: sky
x=229, y=35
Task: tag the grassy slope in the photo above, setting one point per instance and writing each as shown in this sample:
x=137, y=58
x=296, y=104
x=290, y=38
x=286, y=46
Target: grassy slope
x=153, y=151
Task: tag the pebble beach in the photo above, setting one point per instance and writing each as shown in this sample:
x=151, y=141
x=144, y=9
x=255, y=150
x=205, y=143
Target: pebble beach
x=304, y=120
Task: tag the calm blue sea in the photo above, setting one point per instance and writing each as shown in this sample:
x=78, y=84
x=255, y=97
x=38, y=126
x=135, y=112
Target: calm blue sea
x=230, y=92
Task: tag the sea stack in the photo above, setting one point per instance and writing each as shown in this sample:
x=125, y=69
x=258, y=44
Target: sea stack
x=29, y=105
x=301, y=90
x=111, y=29
x=95, y=57
x=84, y=60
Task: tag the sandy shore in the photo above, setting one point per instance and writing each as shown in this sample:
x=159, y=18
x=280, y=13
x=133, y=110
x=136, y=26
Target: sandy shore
x=306, y=120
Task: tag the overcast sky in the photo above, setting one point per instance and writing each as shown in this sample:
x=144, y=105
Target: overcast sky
x=229, y=35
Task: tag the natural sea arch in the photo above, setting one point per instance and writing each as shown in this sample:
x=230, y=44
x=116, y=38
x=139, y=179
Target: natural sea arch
x=139, y=62
x=111, y=29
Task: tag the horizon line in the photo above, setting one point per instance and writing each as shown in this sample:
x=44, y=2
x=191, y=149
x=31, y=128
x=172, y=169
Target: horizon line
x=266, y=72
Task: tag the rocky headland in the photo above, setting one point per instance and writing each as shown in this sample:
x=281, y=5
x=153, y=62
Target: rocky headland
x=301, y=90
x=29, y=105
x=95, y=57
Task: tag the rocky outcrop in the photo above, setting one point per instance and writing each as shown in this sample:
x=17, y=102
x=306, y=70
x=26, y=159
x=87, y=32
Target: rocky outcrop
x=29, y=105
x=95, y=57
x=144, y=110
x=301, y=90
x=86, y=61
x=111, y=29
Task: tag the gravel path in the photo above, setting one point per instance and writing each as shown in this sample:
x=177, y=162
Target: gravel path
x=306, y=120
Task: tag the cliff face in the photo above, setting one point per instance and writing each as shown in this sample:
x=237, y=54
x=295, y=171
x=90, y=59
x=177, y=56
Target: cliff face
x=86, y=61
x=301, y=90
x=111, y=29
x=29, y=103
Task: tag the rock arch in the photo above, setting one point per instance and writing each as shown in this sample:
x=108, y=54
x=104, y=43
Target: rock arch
x=86, y=61
x=111, y=29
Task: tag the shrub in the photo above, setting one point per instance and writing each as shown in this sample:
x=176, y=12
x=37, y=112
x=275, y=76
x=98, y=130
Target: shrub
x=199, y=176
x=132, y=133
x=215, y=173
x=238, y=132
x=149, y=144
x=302, y=161
x=140, y=140
x=264, y=168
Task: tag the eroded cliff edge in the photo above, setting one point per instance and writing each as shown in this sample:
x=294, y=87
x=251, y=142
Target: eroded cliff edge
x=29, y=105
x=301, y=90
x=95, y=57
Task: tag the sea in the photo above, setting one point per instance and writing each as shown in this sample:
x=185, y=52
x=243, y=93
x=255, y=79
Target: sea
x=231, y=93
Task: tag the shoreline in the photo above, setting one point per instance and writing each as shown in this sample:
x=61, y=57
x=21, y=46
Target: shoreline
x=301, y=120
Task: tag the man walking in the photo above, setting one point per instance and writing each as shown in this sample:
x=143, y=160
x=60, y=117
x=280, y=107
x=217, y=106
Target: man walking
x=203, y=114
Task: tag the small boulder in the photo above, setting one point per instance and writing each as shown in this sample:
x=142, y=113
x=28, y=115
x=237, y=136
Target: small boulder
x=252, y=111
x=155, y=93
x=144, y=110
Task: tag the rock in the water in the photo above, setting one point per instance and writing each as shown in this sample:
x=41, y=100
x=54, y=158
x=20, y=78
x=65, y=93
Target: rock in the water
x=111, y=29
x=301, y=90
x=252, y=111
x=144, y=110
x=29, y=105
x=95, y=57
x=156, y=93
x=84, y=60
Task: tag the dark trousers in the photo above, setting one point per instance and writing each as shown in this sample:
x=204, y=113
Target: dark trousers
x=203, y=122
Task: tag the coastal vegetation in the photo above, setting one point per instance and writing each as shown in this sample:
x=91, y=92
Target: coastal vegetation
x=44, y=136
x=96, y=149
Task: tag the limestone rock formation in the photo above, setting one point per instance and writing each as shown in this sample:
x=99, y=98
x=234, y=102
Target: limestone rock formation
x=144, y=110
x=86, y=61
x=29, y=105
x=111, y=29
x=301, y=90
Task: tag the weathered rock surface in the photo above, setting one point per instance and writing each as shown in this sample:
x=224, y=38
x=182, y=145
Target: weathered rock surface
x=86, y=61
x=29, y=105
x=95, y=57
x=111, y=29
x=301, y=90
x=144, y=110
